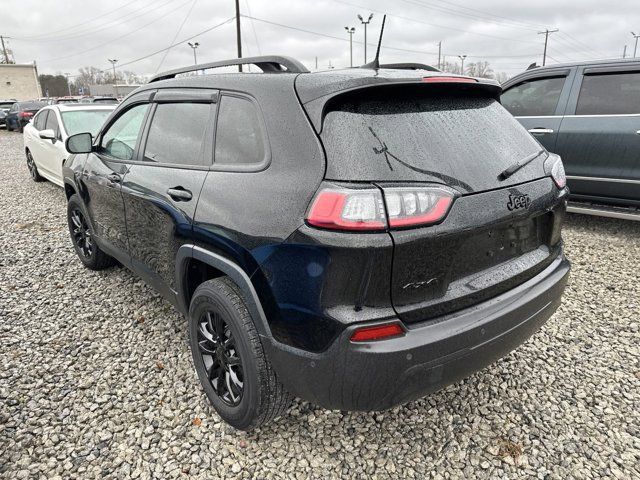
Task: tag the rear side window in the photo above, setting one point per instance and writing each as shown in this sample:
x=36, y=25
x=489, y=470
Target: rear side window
x=240, y=138
x=534, y=98
x=177, y=133
x=40, y=120
x=609, y=94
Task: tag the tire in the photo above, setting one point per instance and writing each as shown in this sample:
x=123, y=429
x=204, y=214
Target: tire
x=33, y=168
x=218, y=310
x=82, y=237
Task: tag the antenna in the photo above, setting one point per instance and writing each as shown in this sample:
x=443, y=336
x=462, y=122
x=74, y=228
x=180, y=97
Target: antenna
x=375, y=63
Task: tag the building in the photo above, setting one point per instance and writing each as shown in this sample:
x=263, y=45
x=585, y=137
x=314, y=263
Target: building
x=19, y=81
x=110, y=90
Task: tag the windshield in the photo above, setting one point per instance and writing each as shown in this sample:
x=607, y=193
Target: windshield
x=79, y=121
x=459, y=139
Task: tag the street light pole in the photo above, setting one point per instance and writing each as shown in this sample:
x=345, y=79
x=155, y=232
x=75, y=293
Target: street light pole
x=365, y=33
x=462, y=57
x=635, y=49
x=194, y=46
x=350, y=31
x=115, y=81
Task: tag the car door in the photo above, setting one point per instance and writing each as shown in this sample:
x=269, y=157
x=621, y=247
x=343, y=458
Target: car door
x=600, y=135
x=53, y=150
x=104, y=171
x=32, y=140
x=538, y=100
x=161, y=191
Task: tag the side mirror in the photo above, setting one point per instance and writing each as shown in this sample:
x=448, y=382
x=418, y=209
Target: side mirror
x=79, y=143
x=47, y=134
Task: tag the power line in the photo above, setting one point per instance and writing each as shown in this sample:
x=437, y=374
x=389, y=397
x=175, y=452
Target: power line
x=533, y=25
x=184, y=20
x=253, y=27
x=184, y=40
x=546, y=34
x=137, y=29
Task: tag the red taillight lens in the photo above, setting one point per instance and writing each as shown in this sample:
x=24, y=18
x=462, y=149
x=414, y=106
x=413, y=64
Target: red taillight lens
x=558, y=175
x=417, y=206
x=348, y=209
x=25, y=114
x=449, y=80
x=378, y=332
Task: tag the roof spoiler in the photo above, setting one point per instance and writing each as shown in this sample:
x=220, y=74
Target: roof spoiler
x=267, y=63
x=410, y=66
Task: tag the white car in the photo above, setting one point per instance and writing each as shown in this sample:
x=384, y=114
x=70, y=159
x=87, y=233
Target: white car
x=45, y=136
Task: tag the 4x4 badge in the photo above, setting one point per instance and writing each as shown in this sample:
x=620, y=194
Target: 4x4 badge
x=518, y=201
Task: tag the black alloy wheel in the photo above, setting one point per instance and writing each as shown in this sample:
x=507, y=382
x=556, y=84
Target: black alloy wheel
x=81, y=234
x=221, y=358
x=33, y=169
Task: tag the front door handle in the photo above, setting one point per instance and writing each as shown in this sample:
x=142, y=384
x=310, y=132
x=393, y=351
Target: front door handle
x=540, y=131
x=638, y=132
x=180, y=194
x=115, y=178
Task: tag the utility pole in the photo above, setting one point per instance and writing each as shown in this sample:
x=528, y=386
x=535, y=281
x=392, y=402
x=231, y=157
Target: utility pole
x=624, y=52
x=68, y=84
x=115, y=81
x=316, y=63
x=193, y=47
x=462, y=57
x=4, y=50
x=546, y=34
x=635, y=49
x=238, y=35
x=350, y=31
x=365, y=33
x=439, y=54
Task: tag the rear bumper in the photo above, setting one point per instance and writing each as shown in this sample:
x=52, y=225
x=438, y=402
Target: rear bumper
x=433, y=354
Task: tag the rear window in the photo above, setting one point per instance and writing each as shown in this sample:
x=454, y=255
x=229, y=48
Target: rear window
x=420, y=135
x=31, y=105
x=610, y=94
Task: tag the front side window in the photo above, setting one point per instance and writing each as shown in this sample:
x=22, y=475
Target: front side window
x=41, y=120
x=177, y=133
x=119, y=141
x=240, y=138
x=609, y=94
x=52, y=122
x=534, y=98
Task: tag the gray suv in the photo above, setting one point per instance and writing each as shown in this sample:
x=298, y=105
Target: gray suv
x=589, y=114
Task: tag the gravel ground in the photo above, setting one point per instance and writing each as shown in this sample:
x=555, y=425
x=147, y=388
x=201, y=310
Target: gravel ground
x=96, y=379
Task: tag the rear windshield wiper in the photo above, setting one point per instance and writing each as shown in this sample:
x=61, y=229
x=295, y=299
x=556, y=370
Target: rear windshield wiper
x=518, y=165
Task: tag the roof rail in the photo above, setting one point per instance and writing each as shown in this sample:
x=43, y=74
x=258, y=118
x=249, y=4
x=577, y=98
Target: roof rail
x=267, y=63
x=410, y=66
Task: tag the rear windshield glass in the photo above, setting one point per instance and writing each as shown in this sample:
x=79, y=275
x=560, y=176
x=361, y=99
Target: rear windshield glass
x=80, y=121
x=421, y=135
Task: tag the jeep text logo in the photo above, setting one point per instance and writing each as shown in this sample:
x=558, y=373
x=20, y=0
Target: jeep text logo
x=518, y=201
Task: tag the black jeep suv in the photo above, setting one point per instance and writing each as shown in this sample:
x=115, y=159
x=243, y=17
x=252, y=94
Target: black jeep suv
x=357, y=238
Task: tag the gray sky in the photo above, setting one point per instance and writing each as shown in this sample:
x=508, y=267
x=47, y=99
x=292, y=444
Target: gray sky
x=62, y=36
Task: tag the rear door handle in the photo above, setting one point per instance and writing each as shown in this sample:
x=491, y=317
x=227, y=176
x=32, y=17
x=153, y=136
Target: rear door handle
x=180, y=194
x=115, y=178
x=540, y=131
x=638, y=132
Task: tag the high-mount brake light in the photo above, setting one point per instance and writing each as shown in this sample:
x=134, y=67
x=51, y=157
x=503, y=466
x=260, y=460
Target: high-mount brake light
x=377, y=332
x=348, y=209
x=449, y=80
x=414, y=206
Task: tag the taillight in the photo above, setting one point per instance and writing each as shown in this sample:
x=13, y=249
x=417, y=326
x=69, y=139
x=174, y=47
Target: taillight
x=413, y=206
x=363, y=209
x=25, y=114
x=377, y=332
x=558, y=175
x=348, y=209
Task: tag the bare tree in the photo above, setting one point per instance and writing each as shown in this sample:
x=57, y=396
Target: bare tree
x=480, y=69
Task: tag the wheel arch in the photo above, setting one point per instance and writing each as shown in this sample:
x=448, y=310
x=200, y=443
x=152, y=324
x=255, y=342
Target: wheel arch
x=219, y=266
